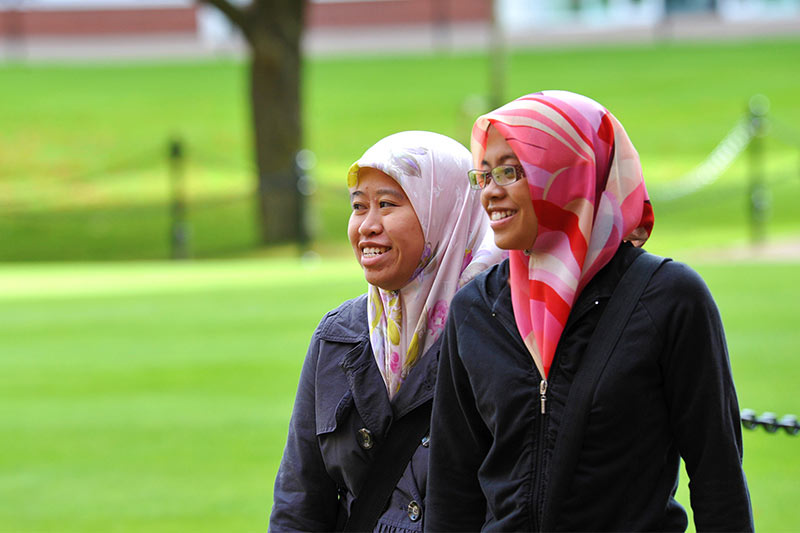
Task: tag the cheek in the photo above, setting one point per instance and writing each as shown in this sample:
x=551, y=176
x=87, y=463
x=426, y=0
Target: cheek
x=414, y=241
x=352, y=230
x=417, y=246
x=484, y=198
x=521, y=195
x=532, y=221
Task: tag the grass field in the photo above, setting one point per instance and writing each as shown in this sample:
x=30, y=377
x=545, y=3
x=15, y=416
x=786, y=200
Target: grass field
x=83, y=171
x=155, y=397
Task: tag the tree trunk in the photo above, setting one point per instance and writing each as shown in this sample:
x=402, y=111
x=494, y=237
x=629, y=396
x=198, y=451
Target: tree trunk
x=274, y=37
x=273, y=29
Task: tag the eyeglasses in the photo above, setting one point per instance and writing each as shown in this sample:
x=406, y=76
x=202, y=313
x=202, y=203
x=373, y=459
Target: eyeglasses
x=503, y=175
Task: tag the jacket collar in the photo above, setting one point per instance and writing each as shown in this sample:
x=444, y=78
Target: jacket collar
x=348, y=325
x=496, y=293
x=602, y=286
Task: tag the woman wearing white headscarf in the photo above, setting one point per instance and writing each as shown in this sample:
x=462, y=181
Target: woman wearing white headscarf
x=366, y=386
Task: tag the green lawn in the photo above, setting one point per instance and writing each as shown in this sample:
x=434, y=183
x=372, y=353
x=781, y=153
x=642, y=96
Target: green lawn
x=150, y=396
x=83, y=172
x=156, y=396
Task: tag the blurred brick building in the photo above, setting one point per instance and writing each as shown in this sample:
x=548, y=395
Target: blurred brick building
x=154, y=28
x=47, y=18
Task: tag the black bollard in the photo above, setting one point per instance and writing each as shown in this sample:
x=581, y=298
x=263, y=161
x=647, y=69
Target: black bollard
x=179, y=229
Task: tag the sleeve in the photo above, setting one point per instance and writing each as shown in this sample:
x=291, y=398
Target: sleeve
x=459, y=443
x=704, y=411
x=305, y=497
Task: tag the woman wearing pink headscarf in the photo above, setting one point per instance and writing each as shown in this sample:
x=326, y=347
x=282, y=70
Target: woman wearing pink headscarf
x=575, y=376
x=357, y=452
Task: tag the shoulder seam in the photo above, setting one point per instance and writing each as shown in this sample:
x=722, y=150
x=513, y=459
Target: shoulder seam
x=330, y=319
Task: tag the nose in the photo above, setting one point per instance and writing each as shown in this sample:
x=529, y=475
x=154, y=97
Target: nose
x=492, y=191
x=371, y=223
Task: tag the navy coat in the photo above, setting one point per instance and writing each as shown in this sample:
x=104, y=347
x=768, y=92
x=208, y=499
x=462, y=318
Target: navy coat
x=341, y=414
x=666, y=393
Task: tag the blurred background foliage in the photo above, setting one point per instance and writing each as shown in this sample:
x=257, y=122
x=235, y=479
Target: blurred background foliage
x=84, y=169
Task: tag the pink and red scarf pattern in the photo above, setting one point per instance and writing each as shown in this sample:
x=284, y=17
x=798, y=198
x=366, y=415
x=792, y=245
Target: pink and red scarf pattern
x=588, y=194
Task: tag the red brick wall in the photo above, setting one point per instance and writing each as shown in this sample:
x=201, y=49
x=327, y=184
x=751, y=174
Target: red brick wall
x=397, y=12
x=99, y=22
x=146, y=21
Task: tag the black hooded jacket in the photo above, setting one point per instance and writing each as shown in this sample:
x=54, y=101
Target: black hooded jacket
x=665, y=394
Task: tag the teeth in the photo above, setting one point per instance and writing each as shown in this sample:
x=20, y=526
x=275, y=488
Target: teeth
x=497, y=215
x=371, y=251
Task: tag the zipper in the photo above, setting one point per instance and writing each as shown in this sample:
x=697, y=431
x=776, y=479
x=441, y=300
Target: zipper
x=539, y=483
x=543, y=396
x=537, y=503
x=539, y=488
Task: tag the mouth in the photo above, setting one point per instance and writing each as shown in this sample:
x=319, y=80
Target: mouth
x=373, y=251
x=494, y=216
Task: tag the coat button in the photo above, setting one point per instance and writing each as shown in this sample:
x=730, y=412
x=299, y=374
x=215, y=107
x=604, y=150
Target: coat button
x=426, y=441
x=365, y=438
x=414, y=511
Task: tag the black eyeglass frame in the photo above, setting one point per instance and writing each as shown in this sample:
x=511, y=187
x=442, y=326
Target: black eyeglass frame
x=499, y=174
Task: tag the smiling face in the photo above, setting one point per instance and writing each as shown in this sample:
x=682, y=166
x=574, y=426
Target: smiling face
x=510, y=209
x=384, y=230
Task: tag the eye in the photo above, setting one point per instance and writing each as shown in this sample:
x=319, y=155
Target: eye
x=358, y=206
x=386, y=203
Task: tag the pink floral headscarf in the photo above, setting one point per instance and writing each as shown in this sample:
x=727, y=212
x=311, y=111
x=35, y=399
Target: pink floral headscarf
x=432, y=170
x=588, y=194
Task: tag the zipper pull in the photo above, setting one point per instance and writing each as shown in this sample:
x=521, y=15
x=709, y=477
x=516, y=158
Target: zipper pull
x=542, y=397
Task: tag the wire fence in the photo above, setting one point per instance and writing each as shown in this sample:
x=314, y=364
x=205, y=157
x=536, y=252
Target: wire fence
x=181, y=224
x=770, y=422
x=713, y=166
x=745, y=138
x=745, y=132
x=62, y=222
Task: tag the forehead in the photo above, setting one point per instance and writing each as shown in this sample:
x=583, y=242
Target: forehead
x=374, y=181
x=497, y=148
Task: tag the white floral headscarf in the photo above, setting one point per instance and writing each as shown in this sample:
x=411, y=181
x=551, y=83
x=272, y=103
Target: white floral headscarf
x=432, y=170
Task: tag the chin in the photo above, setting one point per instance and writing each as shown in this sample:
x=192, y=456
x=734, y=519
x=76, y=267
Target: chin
x=503, y=243
x=380, y=282
x=509, y=240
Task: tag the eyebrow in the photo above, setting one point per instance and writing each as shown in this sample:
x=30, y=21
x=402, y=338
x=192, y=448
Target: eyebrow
x=502, y=159
x=381, y=192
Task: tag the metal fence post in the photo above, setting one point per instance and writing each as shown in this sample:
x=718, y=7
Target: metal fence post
x=758, y=195
x=179, y=230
